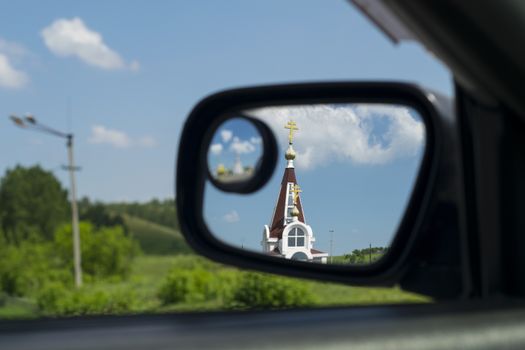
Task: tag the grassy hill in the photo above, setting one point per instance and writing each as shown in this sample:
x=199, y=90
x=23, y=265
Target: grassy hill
x=156, y=239
x=162, y=212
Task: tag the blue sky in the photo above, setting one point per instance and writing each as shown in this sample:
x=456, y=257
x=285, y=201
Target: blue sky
x=146, y=64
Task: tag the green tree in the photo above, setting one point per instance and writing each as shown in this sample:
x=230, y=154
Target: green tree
x=99, y=215
x=106, y=251
x=32, y=203
x=362, y=256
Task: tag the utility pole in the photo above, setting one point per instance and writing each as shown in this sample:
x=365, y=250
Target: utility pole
x=331, y=245
x=29, y=122
x=370, y=253
x=74, y=213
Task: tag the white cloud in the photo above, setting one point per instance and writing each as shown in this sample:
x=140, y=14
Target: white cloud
x=119, y=139
x=100, y=134
x=226, y=135
x=11, y=55
x=147, y=142
x=71, y=37
x=255, y=140
x=241, y=146
x=11, y=77
x=232, y=217
x=363, y=134
x=216, y=149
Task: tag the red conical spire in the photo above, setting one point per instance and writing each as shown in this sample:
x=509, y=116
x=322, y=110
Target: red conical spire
x=282, y=214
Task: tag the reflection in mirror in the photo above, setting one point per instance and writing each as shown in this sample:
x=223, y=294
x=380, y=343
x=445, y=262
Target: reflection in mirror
x=345, y=176
x=235, y=151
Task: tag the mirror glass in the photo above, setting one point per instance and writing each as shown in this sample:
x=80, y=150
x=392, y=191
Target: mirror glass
x=235, y=151
x=341, y=186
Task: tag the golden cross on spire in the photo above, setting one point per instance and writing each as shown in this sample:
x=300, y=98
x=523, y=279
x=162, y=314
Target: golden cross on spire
x=292, y=126
x=295, y=190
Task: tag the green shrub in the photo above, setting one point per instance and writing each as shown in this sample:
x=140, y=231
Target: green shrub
x=256, y=290
x=226, y=284
x=189, y=282
x=187, y=286
x=105, y=252
x=50, y=297
x=25, y=268
x=55, y=300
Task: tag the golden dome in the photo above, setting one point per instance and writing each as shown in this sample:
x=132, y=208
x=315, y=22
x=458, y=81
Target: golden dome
x=290, y=153
x=295, y=211
x=221, y=170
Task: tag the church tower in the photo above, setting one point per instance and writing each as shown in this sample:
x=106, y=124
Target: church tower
x=288, y=235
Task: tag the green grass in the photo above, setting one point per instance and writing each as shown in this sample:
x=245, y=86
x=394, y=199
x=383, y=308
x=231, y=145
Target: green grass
x=340, y=259
x=331, y=294
x=148, y=272
x=156, y=239
x=15, y=308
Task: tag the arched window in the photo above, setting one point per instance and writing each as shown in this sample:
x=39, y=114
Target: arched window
x=296, y=237
x=300, y=256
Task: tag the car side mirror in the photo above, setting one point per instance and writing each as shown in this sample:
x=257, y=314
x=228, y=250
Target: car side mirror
x=240, y=143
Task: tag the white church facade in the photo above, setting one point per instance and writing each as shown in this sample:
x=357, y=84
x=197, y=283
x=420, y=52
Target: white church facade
x=288, y=235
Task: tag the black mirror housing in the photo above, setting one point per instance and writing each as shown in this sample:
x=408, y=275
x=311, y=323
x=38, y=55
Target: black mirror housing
x=435, y=187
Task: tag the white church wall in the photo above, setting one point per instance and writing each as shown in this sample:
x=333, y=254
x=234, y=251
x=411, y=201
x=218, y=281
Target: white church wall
x=288, y=251
x=265, y=238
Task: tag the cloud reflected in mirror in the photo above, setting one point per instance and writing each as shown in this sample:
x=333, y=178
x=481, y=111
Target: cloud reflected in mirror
x=235, y=151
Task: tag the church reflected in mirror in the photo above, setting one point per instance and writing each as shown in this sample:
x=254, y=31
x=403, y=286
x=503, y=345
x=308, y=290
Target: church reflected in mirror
x=288, y=235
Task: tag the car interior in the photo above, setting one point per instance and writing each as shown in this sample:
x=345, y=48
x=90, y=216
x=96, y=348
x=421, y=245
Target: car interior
x=459, y=240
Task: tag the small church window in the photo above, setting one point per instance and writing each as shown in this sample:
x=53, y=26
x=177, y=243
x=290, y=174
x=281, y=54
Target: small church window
x=290, y=200
x=290, y=195
x=296, y=237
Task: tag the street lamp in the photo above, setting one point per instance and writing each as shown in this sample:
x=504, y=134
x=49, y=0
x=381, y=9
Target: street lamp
x=29, y=122
x=331, y=245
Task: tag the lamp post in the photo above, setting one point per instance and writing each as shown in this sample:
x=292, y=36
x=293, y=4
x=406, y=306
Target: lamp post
x=29, y=122
x=331, y=245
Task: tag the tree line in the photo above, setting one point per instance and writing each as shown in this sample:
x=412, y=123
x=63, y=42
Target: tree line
x=33, y=205
x=161, y=212
x=365, y=256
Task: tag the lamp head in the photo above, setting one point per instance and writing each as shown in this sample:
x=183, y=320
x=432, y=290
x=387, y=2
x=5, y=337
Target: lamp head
x=30, y=118
x=17, y=120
